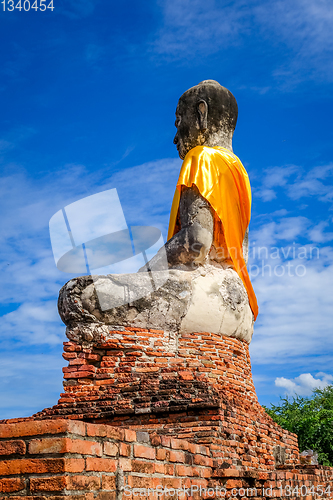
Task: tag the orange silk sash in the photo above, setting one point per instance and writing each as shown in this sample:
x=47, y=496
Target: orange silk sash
x=223, y=181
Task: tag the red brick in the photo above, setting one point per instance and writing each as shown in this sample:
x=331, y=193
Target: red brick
x=11, y=485
x=183, y=470
x=69, y=355
x=124, y=450
x=74, y=483
x=130, y=435
x=159, y=468
x=57, y=483
x=185, y=375
x=104, y=381
x=125, y=464
x=12, y=447
x=201, y=460
x=74, y=464
x=32, y=466
x=110, y=449
x=140, y=482
x=90, y=357
x=169, y=469
x=155, y=440
x=229, y=473
x=179, y=444
x=71, y=347
x=77, y=362
x=107, y=495
x=143, y=467
x=165, y=441
x=108, y=482
x=150, y=369
x=105, y=430
x=65, y=445
x=39, y=427
x=177, y=456
x=144, y=451
x=78, y=374
x=161, y=454
x=233, y=483
x=101, y=464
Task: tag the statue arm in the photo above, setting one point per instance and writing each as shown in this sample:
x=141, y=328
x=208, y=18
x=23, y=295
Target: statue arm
x=192, y=243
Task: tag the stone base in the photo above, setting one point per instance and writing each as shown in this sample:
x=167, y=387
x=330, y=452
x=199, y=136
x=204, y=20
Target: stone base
x=195, y=386
x=52, y=459
x=153, y=410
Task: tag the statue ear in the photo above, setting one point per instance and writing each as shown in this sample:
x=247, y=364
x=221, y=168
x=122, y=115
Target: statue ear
x=203, y=113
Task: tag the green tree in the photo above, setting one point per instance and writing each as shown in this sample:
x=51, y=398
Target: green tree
x=311, y=419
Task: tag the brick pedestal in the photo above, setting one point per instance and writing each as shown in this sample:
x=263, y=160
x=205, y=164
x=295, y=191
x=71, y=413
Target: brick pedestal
x=151, y=372
x=149, y=410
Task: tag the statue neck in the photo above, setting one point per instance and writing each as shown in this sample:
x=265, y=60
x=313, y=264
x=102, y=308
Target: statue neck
x=219, y=139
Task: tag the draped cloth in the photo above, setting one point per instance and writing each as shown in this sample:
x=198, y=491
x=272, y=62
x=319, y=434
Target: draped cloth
x=223, y=181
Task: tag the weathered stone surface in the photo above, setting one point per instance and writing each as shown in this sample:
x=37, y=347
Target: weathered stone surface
x=205, y=299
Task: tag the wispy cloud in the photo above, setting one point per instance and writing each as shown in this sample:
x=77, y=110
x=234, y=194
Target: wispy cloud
x=297, y=183
x=192, y=27
x=292, y=271
x=304, y=27
x=318, y=234
x=301, y=29
x=304, y=384
x=293, y=287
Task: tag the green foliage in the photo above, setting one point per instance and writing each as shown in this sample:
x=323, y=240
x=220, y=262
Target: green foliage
x=311, y=419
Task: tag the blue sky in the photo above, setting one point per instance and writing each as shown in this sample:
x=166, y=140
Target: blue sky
x=88, y=94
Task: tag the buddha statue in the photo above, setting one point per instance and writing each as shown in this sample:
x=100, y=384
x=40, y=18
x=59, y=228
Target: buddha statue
x=206, y=286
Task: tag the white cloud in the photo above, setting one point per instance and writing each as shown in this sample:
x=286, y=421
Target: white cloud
x=295, y=310
x=278, y=176
x=304, y=384
x=192, y=27
x=293, y=281
x=32, y=323
x=266, y=194
x=297, y=183
x=318, y=235
x=282, y=228
x=301, y=29
x=316, y=182
x=304, y=24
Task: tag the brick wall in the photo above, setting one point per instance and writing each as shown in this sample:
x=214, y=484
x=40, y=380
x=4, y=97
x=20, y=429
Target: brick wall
x=56, y=458
x=152, y=410
x=143, y=371
x=199, y=389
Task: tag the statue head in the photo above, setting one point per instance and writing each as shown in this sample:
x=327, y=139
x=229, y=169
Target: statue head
x=206, y=115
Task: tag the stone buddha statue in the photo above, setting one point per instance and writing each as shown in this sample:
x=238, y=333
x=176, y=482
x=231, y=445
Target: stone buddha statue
x=206, y=287
x=206, y=115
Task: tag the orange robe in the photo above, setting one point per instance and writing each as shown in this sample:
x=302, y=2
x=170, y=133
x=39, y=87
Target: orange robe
x=223, y=181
